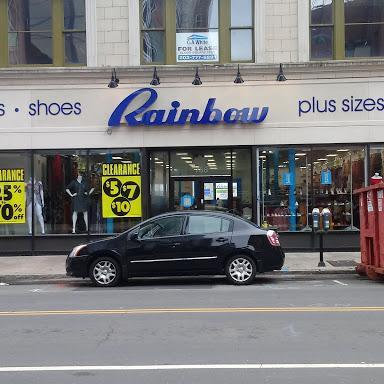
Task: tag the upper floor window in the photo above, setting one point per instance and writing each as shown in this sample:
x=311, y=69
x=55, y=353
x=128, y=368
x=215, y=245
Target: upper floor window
x=342, y=29
x=42, y=32
x=189, y=31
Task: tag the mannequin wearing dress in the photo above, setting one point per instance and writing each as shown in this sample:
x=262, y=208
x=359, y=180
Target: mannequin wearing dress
x=77, y=189
x=35, y=187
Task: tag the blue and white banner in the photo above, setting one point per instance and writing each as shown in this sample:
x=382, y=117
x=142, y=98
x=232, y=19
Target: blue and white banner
x=287, y=178
x=326, y=177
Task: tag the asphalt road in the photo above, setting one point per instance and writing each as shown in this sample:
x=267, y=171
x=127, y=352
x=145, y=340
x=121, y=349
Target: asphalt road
x=279, y=330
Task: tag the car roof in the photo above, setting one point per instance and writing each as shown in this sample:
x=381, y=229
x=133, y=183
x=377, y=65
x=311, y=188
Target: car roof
x=198, y=212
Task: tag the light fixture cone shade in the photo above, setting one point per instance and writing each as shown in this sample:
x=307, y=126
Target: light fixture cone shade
x=238, y=78
x=155, y=78
x=280, y=76
x=114, y=80
x=196, y=80
x=112, y=84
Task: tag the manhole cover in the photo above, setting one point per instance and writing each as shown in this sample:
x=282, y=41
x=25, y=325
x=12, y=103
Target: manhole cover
x=342, y=263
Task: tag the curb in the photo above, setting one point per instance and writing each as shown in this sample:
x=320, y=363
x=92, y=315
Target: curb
x=64, y=279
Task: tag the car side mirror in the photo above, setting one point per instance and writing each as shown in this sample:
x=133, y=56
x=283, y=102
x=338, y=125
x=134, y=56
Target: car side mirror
x=134, y=236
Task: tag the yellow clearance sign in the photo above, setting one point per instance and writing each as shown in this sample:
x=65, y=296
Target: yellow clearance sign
x=12, y=196
x=121, y=190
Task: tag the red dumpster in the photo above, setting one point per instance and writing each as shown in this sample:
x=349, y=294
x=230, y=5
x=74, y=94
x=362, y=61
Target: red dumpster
x=371, y=200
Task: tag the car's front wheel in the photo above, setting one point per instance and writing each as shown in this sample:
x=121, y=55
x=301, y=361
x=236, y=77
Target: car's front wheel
x=240, y=270
x=105, y=272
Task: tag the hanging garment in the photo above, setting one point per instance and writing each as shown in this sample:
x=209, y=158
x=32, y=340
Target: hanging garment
x=80, y=201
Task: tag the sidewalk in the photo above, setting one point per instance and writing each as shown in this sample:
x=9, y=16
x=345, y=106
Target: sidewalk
x=295, y=263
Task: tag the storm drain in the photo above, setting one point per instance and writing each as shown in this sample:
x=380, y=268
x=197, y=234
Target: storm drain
x=342, y=263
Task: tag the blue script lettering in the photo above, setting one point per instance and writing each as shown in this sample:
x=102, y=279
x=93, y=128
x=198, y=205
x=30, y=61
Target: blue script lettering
x=211, y=115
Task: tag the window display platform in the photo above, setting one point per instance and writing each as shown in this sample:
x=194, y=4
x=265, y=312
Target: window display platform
x=348, y=241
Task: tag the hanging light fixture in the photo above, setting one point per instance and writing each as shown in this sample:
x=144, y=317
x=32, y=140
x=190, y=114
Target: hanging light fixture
x=280, y=76
x=196, y=80
x=155, y=78
x=238, y=78
x=114, y=80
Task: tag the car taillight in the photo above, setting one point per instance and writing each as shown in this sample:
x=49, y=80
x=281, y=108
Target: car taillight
x=273, y=238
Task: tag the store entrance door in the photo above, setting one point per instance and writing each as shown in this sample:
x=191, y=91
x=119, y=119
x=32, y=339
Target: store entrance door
x=213, y=193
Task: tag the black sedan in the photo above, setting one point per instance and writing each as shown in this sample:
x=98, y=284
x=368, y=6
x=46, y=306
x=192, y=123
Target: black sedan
x=180, y=243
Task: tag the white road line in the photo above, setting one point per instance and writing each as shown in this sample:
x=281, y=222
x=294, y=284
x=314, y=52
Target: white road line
x=339, y=282
x=172, y=367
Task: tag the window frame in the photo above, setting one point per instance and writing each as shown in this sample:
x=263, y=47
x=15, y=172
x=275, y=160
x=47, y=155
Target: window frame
x=339, y=25
x=224, y=29
x=58, y=39
x=163, y=29
x=231, y=28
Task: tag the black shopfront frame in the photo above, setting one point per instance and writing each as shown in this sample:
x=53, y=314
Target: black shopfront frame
x=37, y=244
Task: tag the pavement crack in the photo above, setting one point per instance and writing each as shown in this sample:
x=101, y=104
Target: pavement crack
x=106, y=337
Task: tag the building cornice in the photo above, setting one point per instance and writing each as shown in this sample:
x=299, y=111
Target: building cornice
x=179, y=74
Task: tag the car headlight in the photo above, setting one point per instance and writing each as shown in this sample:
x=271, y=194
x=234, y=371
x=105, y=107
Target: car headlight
x=76, y=251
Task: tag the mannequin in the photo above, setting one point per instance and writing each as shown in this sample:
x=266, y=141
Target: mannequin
x=38, y=200
x=77, y=189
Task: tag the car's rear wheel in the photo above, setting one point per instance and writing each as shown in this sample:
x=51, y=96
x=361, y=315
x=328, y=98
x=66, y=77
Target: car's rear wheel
x=240, y=270
x=105, y=272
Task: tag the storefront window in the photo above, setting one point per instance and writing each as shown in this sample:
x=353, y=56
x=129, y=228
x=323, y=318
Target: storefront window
x=159, y=182
x=285, y=184
x=337, y=172
x=61, y=192
x=15, y=187
x=200, y=163
x=242, y=182
x=376, y=160
x=115, y=203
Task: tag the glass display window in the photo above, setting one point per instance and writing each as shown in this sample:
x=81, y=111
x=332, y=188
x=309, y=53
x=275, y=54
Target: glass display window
x=15, y=204
x=337, y=172
x=285, y=188
x=61, y=192
x=200, y=162
x=376, y=160
x=241, y=182
x=159, y=182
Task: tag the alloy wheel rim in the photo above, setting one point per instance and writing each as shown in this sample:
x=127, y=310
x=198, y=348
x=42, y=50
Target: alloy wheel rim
x=104, y=272
x=240, y=270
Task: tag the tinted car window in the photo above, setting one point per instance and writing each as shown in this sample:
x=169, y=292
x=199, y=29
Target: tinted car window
x=166, y=226
x=207, y=224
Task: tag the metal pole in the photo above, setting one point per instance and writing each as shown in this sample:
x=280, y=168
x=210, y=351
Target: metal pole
x=262, y=191
x=307, y=227
x=321, y=262
x=352, y=227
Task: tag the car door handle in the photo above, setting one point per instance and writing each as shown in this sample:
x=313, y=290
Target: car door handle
x=175, y=244
x=221, y=239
